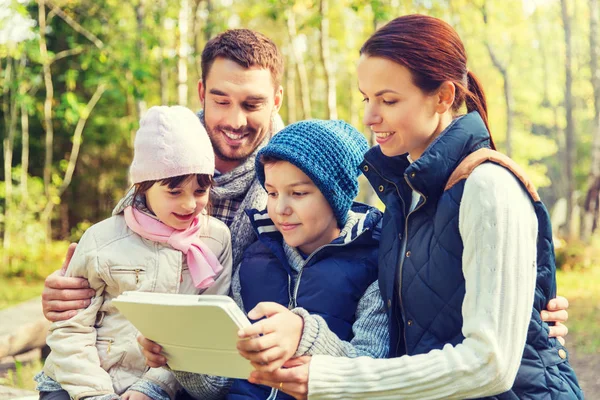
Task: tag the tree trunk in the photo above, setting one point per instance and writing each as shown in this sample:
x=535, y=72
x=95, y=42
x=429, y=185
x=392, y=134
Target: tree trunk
x=48, y=122
x=140, y=11
x=290, y=85
x=210, y=25
x=77, y=135
x=161, y=8
x=508, y=98
x=300, y=66
x=10, y=110
x=325, y=61
x=196, y=35
x=591, y=210
x=182, y=75
x=570, y=128
x=24, y=155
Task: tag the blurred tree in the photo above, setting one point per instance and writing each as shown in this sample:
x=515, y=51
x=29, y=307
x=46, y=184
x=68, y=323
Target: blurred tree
x=591, y=208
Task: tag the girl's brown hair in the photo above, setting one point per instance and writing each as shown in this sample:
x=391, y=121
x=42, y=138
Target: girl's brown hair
x=204, y=181
x=434, y=54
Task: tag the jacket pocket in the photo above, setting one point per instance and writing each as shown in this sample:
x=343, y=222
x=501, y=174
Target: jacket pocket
x=109, y=356
x=128, y=277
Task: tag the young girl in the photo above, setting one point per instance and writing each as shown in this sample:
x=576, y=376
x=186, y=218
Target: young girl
x=466, y=259
x=163, y=242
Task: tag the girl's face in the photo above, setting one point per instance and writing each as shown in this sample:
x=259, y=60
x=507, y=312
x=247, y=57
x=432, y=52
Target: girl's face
x=298, y=208
x=403, y=118
x=179, y=206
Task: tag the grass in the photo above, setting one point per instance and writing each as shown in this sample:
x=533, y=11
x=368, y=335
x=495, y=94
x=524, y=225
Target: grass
x=16, y=290
x=22, y=376
x=582, y=288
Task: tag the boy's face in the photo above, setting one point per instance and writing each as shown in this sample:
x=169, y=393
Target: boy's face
x=179, y=206
x=298, y=208
x=238, y=107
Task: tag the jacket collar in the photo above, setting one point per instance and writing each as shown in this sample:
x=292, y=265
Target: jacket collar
x=428, y=175
x=367, y=219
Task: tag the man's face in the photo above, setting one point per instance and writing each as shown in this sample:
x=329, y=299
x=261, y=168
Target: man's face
x=238, y=106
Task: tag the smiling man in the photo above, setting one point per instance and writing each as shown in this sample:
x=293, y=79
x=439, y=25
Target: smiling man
x=240, y=91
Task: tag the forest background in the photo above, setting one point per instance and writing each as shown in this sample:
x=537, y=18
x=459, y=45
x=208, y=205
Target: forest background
x=76, y=75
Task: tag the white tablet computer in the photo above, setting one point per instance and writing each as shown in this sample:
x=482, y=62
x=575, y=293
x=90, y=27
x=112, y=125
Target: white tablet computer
x=197, y=333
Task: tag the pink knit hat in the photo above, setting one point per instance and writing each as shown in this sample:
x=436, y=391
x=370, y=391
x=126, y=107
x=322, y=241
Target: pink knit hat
x=171, y=142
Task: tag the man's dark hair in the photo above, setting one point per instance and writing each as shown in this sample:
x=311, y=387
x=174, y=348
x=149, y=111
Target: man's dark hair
x=245, y=47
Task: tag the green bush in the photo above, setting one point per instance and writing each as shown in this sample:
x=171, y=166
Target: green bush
x=32, y=263
x=576, y=254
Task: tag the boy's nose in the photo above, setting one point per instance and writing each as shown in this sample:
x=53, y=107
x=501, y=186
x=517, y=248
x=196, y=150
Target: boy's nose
x=282, y=207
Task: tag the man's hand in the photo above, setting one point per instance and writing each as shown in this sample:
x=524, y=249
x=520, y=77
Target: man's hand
x=152, y=352
x=557, y=313
x=291, y=379
x=133, y=395
x=63, y=297
x=280, y=334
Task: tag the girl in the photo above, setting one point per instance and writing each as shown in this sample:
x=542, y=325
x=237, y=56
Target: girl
x=466, y=258
x=163, y=242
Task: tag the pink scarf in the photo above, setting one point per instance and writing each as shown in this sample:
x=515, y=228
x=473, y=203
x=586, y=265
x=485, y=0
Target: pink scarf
x=203, y=264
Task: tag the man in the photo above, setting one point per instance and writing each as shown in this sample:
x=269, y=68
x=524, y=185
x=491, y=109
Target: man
x=240, y=91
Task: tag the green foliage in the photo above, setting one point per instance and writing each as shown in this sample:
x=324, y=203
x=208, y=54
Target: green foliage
x=582, y=288
x=33, y=262
x=16, y=290
x=138, y=44
x=22, y=376
x=577, y=255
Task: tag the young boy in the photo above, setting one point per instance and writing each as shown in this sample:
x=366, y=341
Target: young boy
x=313, y=271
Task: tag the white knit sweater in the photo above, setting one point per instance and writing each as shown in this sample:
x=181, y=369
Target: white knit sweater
x=498, y=227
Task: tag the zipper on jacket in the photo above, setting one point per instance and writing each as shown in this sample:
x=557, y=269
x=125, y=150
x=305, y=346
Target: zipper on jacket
x=124, y=270
x=404, y=255
x=400, y=267
x=297, y=286
x=108, y=341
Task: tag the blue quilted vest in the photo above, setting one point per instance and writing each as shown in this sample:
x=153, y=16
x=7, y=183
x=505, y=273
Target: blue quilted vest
x=434, y=272
x=332, y=282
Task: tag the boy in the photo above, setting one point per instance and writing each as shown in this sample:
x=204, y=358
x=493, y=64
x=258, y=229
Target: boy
x=313, y=270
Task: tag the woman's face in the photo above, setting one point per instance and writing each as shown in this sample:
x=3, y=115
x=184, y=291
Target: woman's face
x=403, y=118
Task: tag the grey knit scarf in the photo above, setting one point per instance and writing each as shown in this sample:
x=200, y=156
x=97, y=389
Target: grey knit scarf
x=240, y=180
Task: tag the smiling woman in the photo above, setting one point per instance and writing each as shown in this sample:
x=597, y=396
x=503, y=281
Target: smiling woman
x=465, y=262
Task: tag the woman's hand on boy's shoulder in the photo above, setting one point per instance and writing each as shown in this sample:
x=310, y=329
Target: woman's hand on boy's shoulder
x=557, y=312
x=152, y=352
x=273, y=340
x=64, y=296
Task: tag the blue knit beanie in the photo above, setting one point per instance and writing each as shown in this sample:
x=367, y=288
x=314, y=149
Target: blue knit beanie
x=328, y=152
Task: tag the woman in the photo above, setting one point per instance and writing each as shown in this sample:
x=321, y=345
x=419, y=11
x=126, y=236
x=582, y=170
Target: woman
x=466, y=260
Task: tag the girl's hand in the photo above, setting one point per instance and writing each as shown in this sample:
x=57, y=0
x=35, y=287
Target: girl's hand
x=133, y=395
x=281, y=332
x=291, y=379
x=151, y=351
